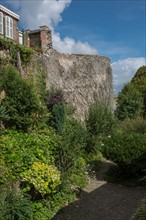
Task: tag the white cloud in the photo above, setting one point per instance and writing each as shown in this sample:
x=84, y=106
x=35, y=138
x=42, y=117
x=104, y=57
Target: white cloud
x=48, y=12
x=69, y=45
x=36, y=13
x=124, y=70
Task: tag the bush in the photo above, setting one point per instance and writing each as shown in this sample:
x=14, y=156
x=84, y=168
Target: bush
x=14, y=206
x=20, y=150
x=58, y=117
x=54, y=97
x=20, y=101
x=127, y=150
x=55, y=104
x=71, y=145
x=137, y=125
x=43, y=177
x=99, y=122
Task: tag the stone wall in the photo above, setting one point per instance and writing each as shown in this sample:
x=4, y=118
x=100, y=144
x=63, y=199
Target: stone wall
x=83, y=78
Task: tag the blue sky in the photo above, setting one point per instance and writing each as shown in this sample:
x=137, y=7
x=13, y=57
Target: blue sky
x=116, y=29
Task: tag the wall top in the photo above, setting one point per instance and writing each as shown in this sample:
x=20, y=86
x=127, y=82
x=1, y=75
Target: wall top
x=9, y=12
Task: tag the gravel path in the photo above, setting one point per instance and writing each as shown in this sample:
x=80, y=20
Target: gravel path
x=103, y=201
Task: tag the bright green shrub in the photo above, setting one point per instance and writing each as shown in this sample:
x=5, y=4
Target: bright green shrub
x=20, y=150
x=41, y=212
x=127, y=150
x=45, y=178
x=20, y=101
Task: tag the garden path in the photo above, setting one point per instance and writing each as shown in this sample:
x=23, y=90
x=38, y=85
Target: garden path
x=103, y=201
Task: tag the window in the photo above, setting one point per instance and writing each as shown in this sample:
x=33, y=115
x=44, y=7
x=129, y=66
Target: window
x=9, y=27
x=1, y=23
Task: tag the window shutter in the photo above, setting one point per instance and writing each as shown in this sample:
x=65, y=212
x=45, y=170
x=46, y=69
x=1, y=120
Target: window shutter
x=9, y=27
x=1, y=22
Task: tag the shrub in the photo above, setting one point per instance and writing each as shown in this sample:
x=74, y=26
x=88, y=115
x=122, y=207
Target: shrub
x=127, y=150
x=55, y=104
x=44, y=178
x=14, y=206
x=58, y=117
x=20, y=150
x=137, y=125
x=20, y=101
x=41, y=212
x=71, y=145
x=54, y=97
x=99, y=122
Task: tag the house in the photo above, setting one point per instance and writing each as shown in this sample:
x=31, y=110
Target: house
x=40, y=39
x=9, y=24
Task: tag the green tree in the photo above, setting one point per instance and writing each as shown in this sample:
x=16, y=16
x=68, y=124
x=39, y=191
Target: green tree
x=20, y=102
x=129, y=103
x=139, y=82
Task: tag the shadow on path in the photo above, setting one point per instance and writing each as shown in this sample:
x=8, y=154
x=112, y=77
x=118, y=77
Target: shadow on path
x=106, y=201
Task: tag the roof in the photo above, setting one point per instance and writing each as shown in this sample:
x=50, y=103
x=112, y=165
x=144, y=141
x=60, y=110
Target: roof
x=9, y=12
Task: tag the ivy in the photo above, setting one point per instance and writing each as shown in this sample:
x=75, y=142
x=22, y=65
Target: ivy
x=13, y=48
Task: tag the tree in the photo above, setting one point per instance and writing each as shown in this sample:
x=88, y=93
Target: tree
x=139, y=81
x=20, y=102
x=129, y=103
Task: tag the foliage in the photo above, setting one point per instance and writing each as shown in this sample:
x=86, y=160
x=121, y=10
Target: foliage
x=117, y=175
x=99, y=119
x=140, y=213
x=54, y=97
x=20, y=150
x=77, y=175
x=14, y=206
x=71, y=144
x=127, y=150
x=139, y=82
x=45, y=178
x=137, y=125
x=58, y=117
x=41, y=212
x=129, y=103
x=55, y=104
x=99, y=122
x=20, y=101
x=25, y=52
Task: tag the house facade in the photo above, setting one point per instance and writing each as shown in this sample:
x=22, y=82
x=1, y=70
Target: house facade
x=9, y=24
x=40, y=39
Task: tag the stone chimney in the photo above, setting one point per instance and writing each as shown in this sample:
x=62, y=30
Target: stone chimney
x=26, y=40
x=46, y=38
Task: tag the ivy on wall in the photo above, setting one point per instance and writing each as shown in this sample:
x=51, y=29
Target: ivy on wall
x=13, y=48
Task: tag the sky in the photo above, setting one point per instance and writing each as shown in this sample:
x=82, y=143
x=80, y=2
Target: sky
x=116, y=29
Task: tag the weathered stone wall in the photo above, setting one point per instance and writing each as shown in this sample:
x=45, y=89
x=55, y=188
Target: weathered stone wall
x=83, y=78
